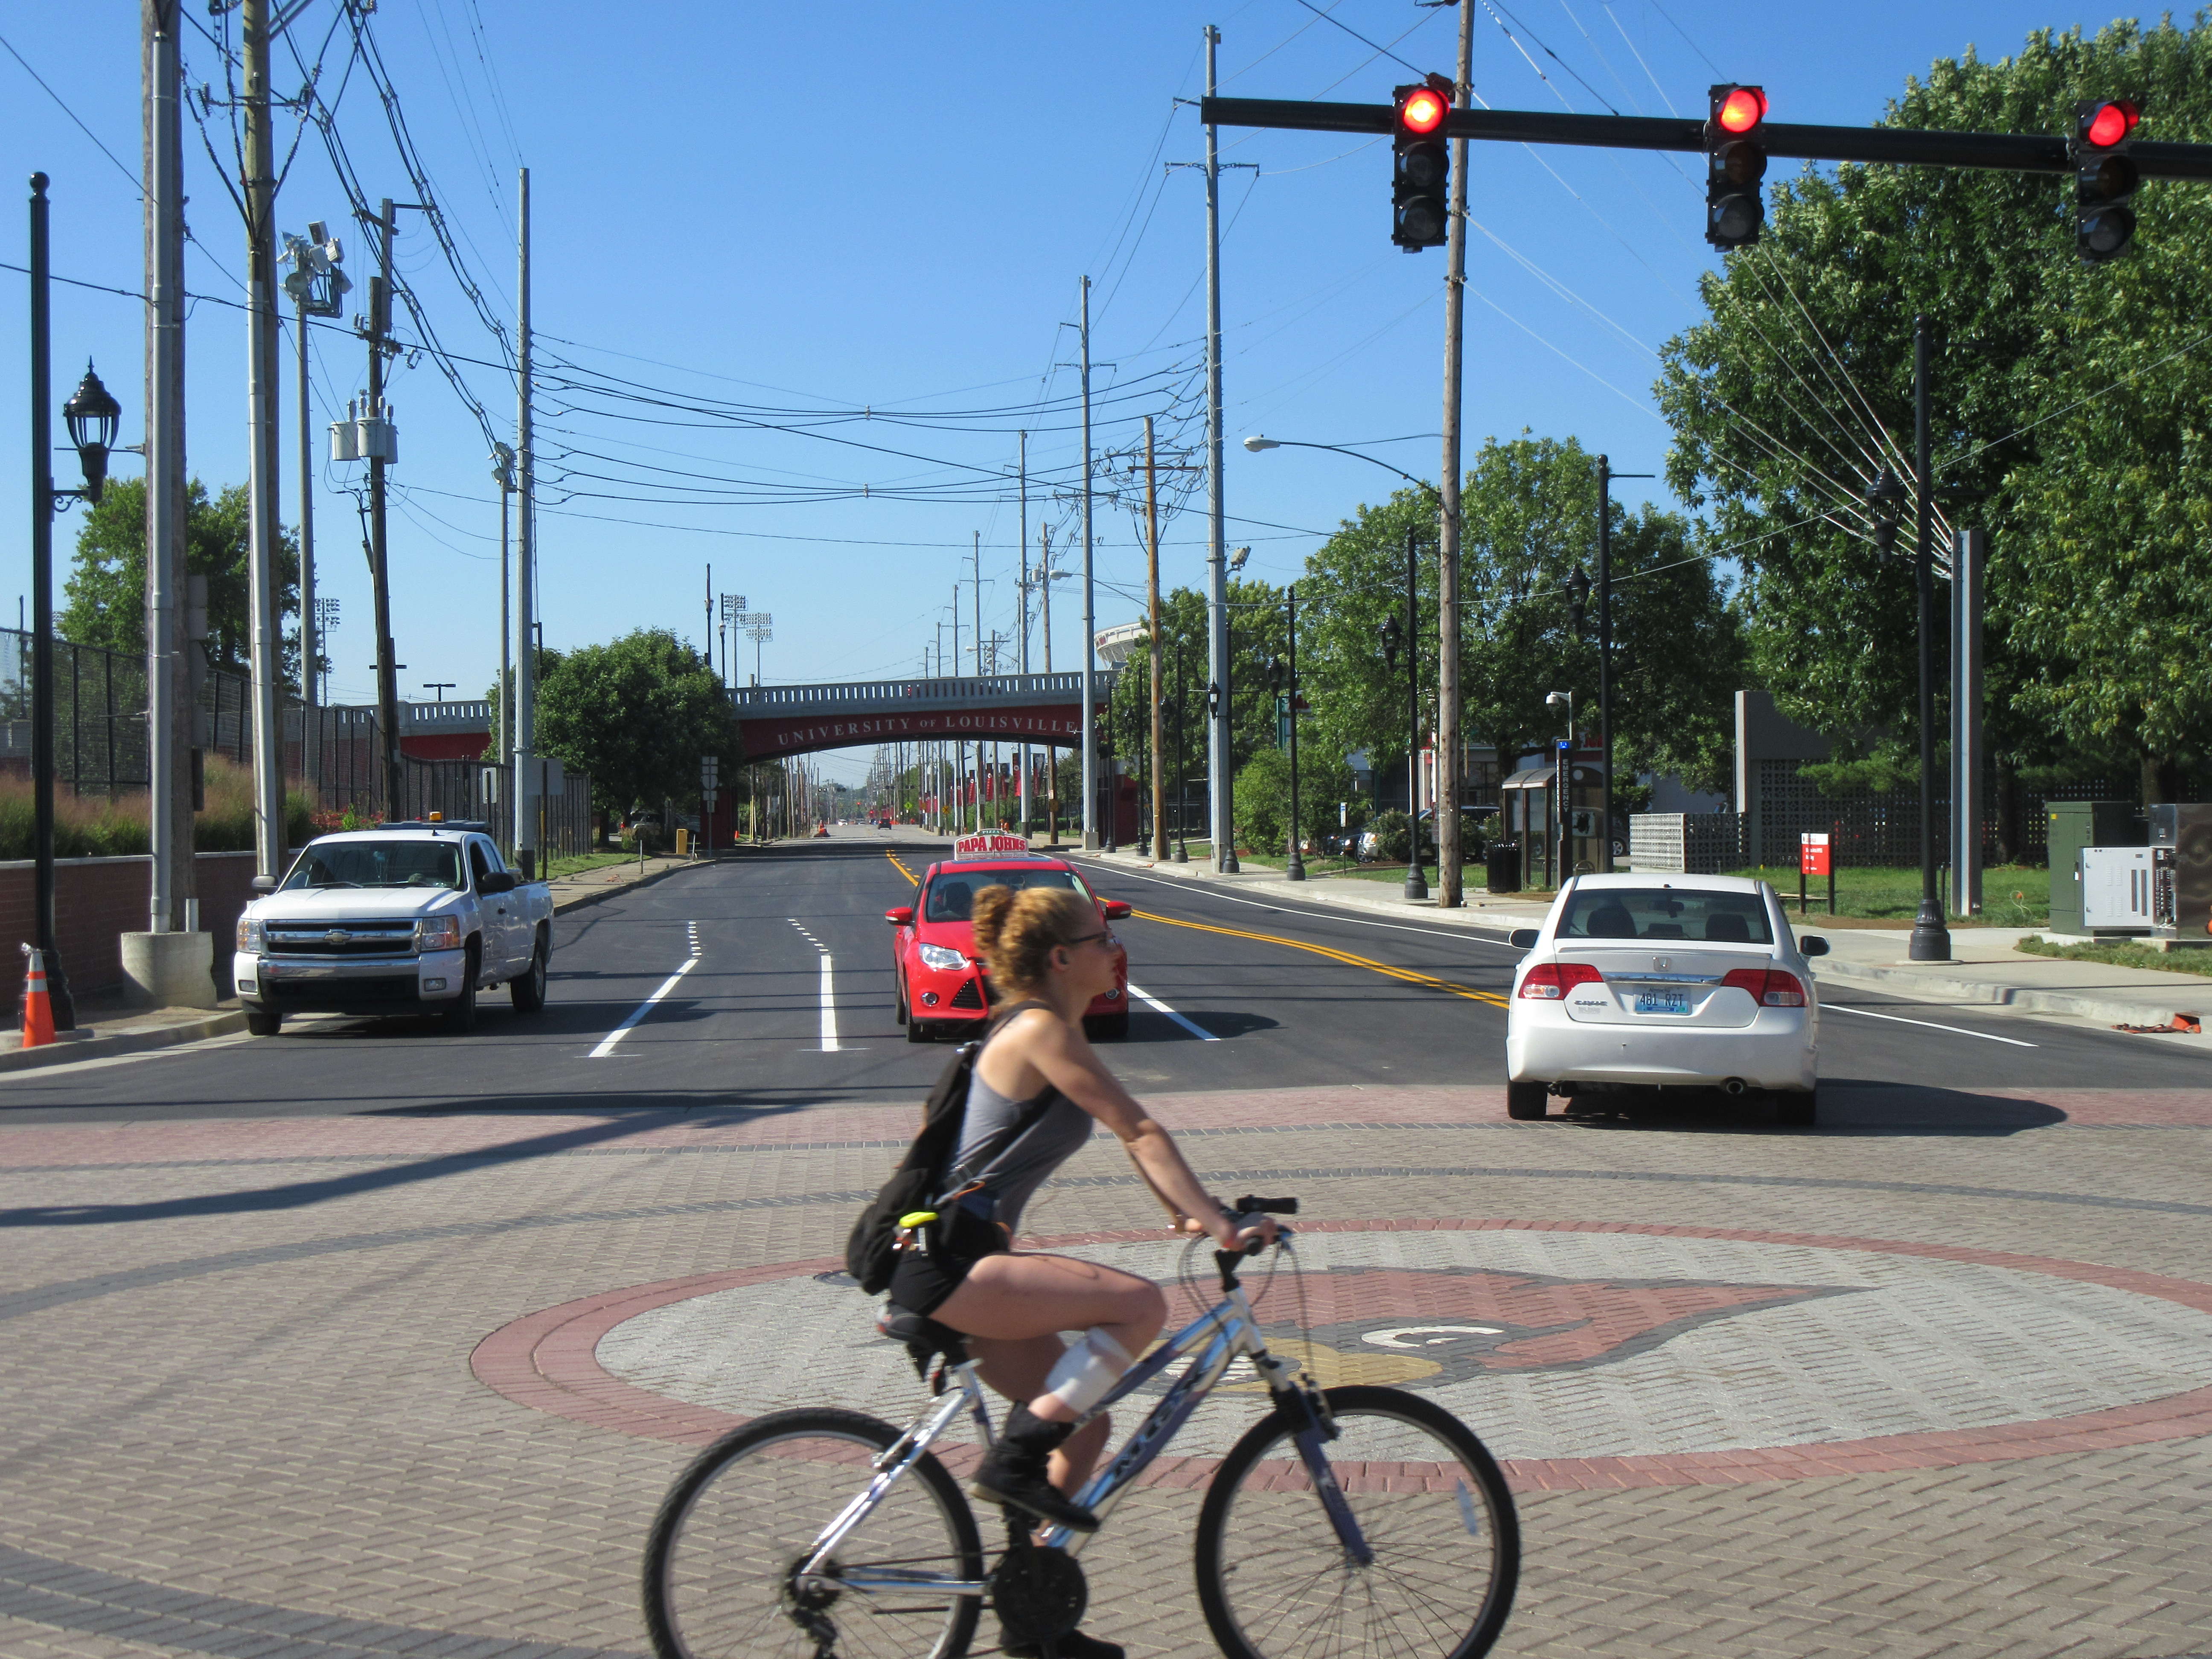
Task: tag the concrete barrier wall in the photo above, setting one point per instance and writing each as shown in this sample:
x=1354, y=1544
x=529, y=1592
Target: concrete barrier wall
x=97, y=901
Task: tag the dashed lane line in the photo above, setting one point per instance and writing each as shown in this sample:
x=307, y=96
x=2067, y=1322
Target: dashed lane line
x=607, y=1042
x=830, y=1044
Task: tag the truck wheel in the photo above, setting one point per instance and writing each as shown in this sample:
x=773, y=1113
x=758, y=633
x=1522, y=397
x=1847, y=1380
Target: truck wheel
x=461, y=1017
x=528, y=988
x=263, y=1023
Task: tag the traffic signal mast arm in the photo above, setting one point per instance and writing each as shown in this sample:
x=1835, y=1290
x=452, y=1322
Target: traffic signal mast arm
x=1898, y=146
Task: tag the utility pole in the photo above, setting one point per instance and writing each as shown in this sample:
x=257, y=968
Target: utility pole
x=1217, y=567
x=525, y=559
x=1450, y=748
x=977, y=557
x=387, y=669
x=1023, y=651
x=710, y=623
x=1152, y=597
x=171, y=711
x=503, y=474
x=1090, y=625
x=260, y=196
x=1604, y=665
x=310, y=735
x=44, y=504
x=1052, y=751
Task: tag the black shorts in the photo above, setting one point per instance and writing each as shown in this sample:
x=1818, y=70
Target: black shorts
x=923, y=1279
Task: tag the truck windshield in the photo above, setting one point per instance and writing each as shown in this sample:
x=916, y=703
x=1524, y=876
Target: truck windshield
x=378, y=864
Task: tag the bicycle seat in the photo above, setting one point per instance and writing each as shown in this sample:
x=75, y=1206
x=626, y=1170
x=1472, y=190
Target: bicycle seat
x=921, y=1336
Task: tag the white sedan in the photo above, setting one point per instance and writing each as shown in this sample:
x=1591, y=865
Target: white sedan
x=1668, y=981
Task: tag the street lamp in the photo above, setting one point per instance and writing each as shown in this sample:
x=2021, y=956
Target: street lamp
x=1397, y=636
x=92, y=415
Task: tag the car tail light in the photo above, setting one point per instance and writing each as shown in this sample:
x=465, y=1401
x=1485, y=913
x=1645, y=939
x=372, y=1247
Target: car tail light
x=1550, y=981
x=1770, y=988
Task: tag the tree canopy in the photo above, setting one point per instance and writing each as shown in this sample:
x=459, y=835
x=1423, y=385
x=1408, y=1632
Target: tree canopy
x=637, y=714
x=105, y=595
x=2073, y=394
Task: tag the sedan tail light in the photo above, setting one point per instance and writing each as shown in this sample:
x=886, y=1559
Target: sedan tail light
x=1770, y=988
x=1550, y=981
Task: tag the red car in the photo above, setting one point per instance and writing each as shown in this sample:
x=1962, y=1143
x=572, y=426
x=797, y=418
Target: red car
x=940, y=986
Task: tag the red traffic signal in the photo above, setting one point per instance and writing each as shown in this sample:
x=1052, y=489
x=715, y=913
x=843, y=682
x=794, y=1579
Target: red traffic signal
x=2103, y=125
x=1423, y=111
x=1740, y=109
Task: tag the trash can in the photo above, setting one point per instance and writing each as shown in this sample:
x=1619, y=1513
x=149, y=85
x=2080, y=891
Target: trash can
x=1504, y=867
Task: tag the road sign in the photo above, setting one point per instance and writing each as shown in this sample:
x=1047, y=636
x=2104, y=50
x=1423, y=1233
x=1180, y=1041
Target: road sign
x=1812, y=855
x=710, y=772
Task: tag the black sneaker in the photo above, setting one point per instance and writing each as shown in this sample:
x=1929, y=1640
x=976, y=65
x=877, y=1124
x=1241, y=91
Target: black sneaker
x=1074, y=1645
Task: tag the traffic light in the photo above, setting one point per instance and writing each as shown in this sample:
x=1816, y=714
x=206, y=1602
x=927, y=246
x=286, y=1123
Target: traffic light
x=1735, y=161
x=2104, y=178
x=1420, y=172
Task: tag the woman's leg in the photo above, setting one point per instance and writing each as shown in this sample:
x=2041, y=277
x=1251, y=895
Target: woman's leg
x=1011, y=1298
x=1017, y=1368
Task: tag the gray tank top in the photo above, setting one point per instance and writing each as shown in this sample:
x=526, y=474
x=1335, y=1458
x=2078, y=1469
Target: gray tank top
x=1016, y=1170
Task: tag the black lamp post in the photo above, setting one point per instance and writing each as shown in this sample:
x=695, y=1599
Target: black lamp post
x=92, y=415
x=1213, y=712
x=1106, y=777
x=1396, y=636
x=1282, y=681
x=1182, y=759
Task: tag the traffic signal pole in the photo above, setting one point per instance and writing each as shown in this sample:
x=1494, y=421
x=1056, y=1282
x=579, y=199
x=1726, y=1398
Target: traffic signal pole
x=1449, y=752
x=2002, y=152
x=1219, y=725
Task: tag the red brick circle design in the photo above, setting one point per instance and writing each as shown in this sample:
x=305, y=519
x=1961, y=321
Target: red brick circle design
x=547, y=1361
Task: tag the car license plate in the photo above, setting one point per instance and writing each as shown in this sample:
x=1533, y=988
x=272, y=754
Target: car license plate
x=1663, y=1002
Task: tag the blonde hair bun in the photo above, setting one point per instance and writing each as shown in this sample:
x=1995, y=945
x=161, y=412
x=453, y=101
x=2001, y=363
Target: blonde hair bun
x=1016, y=932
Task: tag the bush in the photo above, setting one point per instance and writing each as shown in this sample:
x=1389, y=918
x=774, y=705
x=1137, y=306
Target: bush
x=99, y=826
x=1263, y=797
x=1394, y=835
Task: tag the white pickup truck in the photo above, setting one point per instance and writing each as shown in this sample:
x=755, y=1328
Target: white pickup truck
x=409, y=918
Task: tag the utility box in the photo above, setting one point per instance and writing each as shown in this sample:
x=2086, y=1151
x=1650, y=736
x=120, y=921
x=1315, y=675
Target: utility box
x=2073, y=826
x=2115, y=890
x=2181, y=858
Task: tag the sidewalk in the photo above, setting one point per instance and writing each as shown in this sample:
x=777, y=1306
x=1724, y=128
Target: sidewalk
x=1985, y=969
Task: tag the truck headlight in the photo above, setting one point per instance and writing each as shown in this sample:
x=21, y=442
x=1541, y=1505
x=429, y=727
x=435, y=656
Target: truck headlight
x=249, y=934
x=438, y=933
x=938, y=957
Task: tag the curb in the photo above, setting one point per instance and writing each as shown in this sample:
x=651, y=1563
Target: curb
x=581, y=900
x=2024, y=998
x=126, y=1041
x=1275, y=886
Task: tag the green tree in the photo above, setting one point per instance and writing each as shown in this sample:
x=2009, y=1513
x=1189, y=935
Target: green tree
x=105, y=596
x=1528, y=518
x=637, y=714
x=1263, y=795
x=2067, y=391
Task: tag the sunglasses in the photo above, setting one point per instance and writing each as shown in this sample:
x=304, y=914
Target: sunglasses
x=1105, y=933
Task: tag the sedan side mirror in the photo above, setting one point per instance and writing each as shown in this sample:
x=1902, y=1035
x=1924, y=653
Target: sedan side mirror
x=1524, y=938
x=497, y=881
x=1113, y=910
x=265, y=884
x=901, y=917
x=1812, y=946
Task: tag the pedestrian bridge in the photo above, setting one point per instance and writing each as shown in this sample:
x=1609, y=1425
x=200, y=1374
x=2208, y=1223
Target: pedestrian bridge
x=775, y=721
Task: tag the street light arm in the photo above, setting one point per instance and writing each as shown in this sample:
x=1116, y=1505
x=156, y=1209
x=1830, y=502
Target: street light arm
x=1256, y=443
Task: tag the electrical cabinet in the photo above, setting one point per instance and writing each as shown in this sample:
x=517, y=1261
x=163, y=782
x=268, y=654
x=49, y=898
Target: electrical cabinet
x=2181, y=850
x=2116, y=889
x=2073, y=826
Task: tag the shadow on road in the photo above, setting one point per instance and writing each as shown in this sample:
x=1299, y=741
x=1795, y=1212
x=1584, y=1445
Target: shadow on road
x=1849, y=1106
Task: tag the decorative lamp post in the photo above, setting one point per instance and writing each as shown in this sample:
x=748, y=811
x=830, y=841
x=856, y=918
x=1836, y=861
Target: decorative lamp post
x=1212, y=714
x=1182, y=758
x=1563, y=770
x=1283, y=679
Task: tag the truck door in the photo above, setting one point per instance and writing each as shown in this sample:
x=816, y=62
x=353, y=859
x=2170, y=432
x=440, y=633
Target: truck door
x=508, y=936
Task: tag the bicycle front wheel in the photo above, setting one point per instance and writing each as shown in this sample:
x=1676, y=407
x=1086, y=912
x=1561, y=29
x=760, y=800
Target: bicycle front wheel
x=1277, y=1582
x=721, y=1564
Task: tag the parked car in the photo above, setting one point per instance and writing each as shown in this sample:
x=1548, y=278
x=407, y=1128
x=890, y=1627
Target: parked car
x=1640, y=983
x=940, y=986
x=409, y=918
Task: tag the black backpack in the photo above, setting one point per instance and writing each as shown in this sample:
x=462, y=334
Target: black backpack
x=870, y=1252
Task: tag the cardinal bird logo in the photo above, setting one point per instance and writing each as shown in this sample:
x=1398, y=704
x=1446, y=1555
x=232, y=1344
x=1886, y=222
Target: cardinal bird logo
x=1411, y=1325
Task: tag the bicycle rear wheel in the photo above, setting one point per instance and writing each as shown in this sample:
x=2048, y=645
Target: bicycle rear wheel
x=721, y=1559
x=1277, y=1583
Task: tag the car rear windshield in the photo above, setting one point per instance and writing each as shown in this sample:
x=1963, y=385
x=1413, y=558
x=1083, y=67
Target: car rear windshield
x=952, y=897
x=1667, y=913
x=378, y=864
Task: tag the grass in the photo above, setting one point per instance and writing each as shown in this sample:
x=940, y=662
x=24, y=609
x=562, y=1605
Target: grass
x=2013, y=895
x=575, y=864
x=100, y=826
x=2123, y=953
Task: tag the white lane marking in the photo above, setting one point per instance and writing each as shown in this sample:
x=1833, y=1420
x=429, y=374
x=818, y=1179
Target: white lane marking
x=1899, y=1019
x=691, y=928
x=607, y=1043
x=1159, y=1007
x=829, y=1006
x=1315, y=915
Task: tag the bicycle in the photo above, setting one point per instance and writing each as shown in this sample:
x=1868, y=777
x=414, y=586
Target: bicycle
x=1402, y=1539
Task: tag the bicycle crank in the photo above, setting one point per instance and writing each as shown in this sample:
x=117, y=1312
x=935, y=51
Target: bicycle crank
x=1040, y=1594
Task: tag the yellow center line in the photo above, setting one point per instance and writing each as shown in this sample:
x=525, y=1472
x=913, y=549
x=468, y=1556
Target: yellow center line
x=912, y=878
x=1346, y=957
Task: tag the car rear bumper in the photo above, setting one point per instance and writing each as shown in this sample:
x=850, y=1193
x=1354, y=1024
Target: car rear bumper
x=1777, y=1050
x=360, y=984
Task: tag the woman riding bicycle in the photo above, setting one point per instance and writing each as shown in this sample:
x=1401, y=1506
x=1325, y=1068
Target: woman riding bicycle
x=1049, y=955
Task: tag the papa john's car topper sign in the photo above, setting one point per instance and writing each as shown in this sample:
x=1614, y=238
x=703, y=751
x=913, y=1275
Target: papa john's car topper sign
x=969, y=846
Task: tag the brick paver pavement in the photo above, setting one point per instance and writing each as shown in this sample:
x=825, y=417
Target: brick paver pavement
x=237, y=1363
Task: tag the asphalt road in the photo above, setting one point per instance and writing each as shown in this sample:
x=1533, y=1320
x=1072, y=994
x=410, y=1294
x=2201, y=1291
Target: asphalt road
x=1287, y=995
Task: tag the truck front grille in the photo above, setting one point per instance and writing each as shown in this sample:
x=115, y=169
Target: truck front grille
x=341, y=938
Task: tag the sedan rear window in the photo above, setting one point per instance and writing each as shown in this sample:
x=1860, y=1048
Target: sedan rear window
x=378, y=864
x=952, y=897
x=1686, y=914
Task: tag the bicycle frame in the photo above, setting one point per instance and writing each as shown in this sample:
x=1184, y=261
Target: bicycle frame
x=1212, y=1340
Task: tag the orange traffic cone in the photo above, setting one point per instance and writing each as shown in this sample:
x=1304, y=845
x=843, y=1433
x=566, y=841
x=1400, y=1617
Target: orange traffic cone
x=38, y=1007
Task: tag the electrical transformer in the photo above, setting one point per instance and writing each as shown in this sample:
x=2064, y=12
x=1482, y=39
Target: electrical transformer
x=2181, y=870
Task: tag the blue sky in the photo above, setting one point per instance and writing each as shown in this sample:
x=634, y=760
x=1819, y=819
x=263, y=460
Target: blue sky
x=821, y=264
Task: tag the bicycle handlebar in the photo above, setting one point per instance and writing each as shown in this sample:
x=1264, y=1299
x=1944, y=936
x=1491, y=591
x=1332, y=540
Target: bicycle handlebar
x=1248, y=1205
